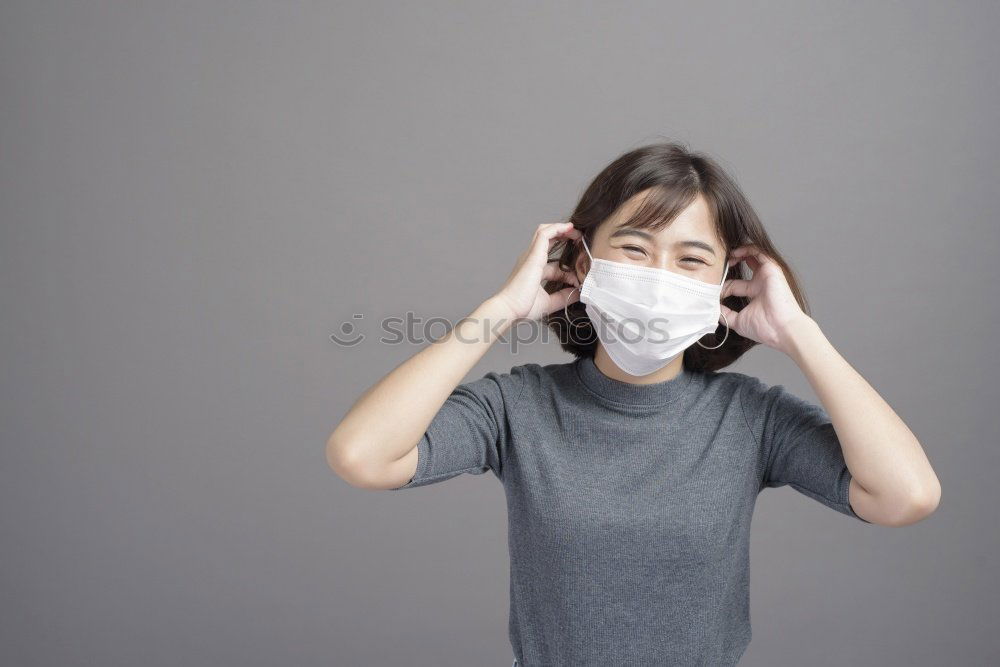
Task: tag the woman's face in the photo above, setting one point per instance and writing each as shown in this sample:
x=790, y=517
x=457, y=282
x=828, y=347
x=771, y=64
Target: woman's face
x=689, y=245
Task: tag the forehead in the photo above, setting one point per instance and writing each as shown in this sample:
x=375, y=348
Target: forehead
x=694, y=222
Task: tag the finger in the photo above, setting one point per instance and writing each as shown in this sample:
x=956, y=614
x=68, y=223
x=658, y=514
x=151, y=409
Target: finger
x=553, y=272
x=544, y=235
x=736, y=287
x=747, y=249
x=752, y=255
x=551, y=228
x=567, y=230
x=557, y=229
x=729, y=313
x=749, y=259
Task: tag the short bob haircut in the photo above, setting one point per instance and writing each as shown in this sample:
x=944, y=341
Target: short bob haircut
x=676, y=176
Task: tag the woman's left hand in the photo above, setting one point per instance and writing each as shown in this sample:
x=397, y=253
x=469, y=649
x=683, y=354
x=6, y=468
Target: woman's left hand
x=772, y=310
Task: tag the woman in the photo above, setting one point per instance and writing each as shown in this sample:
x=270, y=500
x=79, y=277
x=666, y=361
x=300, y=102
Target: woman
x=631, y=473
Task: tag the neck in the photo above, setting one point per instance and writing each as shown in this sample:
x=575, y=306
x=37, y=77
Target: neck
x=608, y=368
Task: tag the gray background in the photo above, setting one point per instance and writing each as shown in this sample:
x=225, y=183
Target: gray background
x=195, y=195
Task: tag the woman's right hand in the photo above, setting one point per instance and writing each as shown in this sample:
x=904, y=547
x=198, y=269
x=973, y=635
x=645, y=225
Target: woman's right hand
x=523, y=292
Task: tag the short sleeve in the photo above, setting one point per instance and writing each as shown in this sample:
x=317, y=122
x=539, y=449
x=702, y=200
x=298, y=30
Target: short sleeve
x=469, y=432
x=800, y=448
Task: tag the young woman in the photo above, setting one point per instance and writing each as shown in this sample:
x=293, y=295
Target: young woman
x=631, y=472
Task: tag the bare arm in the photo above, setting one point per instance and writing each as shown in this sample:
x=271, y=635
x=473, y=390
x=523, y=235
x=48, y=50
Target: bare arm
x=893, y=483
x=374, y=446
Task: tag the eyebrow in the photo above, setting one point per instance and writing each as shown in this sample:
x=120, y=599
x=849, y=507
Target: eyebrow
x=692, y=243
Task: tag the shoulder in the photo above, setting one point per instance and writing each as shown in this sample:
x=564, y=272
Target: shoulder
x=753, y=394
x=740, y=384
x=533, y=378
x=520, y=380
x=519, y=375
x=762, y=400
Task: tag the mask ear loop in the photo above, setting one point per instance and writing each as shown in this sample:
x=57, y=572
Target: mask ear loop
x=566, y=304
x=725, y=272
x=726, y=320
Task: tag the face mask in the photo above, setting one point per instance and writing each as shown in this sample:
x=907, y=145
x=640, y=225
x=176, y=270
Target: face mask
x=645, y=317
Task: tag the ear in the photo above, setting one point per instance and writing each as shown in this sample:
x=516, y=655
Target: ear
x=581, y=265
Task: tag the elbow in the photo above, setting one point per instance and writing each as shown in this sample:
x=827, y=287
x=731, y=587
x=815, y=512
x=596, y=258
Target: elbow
x=919, y=505
x=335, y=457
x=926, y=502
x=345, y=459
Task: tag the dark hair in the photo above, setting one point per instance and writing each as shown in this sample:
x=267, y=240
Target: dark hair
x=676, y=176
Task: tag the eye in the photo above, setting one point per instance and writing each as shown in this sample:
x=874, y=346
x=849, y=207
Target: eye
x=695, y=259
x=633, y=248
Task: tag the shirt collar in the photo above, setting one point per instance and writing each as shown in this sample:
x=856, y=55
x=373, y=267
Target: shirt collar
x=619, y=391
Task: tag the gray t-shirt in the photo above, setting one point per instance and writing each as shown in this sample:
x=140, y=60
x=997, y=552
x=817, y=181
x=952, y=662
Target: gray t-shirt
x=629, y=505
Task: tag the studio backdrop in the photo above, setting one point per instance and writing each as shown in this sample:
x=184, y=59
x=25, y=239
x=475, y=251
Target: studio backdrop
x=201, y=200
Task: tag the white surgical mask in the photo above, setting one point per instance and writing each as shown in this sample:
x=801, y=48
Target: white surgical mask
x=645, y=317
